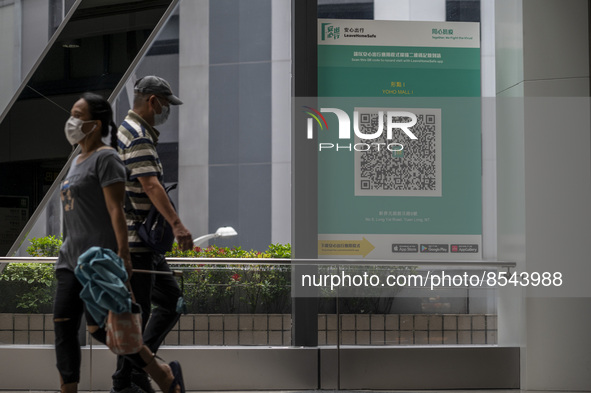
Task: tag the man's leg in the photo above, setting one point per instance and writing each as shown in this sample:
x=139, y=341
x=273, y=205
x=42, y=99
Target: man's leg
x=141, y=285
x=165, y=295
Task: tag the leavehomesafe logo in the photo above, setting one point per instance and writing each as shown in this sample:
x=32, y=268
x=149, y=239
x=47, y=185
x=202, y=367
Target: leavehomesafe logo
x=394, y=120
x=331, y=32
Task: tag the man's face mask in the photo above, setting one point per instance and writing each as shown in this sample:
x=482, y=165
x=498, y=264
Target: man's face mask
x=73, y=130
x=160, y=118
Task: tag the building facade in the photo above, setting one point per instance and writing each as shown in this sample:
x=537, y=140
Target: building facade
x=231, y=146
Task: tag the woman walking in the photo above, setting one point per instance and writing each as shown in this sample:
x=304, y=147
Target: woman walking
x=92, y=200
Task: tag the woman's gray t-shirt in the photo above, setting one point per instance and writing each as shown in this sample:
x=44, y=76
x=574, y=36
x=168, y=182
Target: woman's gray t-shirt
x=86, y=220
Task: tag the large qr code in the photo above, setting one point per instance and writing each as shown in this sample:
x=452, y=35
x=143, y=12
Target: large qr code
x=400, y=166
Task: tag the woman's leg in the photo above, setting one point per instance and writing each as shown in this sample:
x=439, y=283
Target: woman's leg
x=67, y=312
x=145, y=359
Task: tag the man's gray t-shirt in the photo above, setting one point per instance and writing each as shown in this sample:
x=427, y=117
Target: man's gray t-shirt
x=87, y=222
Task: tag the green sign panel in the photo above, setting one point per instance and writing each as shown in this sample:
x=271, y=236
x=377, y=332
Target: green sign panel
x=399, y=140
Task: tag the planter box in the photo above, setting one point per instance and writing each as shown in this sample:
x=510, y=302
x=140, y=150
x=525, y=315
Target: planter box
x=275, y=329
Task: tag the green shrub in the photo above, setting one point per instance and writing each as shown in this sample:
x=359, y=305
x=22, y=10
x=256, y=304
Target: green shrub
x=237, y=288
x=29, y=287
x=231, y=288
x=47, y=246
x=274, y=251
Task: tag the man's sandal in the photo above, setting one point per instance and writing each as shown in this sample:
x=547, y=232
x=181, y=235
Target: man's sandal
x=177, y=373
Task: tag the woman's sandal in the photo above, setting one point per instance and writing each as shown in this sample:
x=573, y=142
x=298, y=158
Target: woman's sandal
x=177, y=373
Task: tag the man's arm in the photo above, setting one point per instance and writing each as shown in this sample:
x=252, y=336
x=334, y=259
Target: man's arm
x=159, y=198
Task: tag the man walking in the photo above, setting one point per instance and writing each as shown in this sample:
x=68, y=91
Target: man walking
x=137, y=140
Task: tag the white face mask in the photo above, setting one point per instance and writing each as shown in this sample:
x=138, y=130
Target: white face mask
x=160, y=118
x=73, y=130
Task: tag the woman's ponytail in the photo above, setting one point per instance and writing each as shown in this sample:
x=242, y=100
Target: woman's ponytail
x=100, y=109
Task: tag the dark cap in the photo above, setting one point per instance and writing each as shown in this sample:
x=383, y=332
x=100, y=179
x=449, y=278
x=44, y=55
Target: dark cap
x=155, y=85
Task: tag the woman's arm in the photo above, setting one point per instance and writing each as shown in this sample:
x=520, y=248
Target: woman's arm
x=114, y=196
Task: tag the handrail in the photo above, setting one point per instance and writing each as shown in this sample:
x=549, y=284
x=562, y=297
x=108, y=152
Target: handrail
x=296, y=262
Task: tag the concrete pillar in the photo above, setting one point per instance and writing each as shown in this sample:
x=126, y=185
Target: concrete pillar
x=194, y=115
x=281, y=121
x=544, y=186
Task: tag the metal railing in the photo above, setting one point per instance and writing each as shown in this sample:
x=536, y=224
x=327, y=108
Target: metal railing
x=305, y=262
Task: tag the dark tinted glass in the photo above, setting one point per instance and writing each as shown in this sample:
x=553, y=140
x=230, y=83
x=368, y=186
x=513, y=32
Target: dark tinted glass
x=91, y=52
